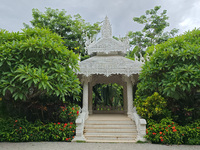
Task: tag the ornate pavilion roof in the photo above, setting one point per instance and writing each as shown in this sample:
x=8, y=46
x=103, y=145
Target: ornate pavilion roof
x=109, y=56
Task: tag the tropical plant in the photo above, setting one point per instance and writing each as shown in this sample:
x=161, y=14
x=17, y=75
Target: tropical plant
x=35, y=62
x=108, y=95
x=173, y=72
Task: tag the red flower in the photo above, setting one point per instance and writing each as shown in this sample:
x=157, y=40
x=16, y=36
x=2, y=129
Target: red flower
x=60, y=129
x=160, y=132
x=182, y=134
x=16, y=120
x=151, y=129
x=174, y=130
x=173, y=127
x=169, y=125
x=72, y=108
x=66, y=139
x=71, y=123
x=54, y=123
x=163, y=133
x=161, y=137
x=20, y=127
x=147, y=132
x=14, y=124
x=166, y=130
x=77, y=112
x=154, y=133
x=58, y=122
x=172, y=122
x=72, y=131
x=70, y=126
x=161, y=140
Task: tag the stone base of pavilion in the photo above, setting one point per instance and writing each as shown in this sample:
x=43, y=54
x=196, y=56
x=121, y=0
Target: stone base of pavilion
x=110, y=128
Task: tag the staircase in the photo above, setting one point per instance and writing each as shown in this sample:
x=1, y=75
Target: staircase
x=110, y=128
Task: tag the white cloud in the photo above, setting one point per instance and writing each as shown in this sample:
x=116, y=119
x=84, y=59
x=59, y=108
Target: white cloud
x=191, y=20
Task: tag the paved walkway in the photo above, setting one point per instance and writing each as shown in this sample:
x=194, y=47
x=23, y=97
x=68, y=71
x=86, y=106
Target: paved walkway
x=92, y=146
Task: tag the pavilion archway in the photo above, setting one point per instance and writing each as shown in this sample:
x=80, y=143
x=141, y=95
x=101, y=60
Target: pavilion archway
x=107, y=98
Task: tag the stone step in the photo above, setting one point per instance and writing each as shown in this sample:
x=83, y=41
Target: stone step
x=108, y=117
x=108, y=122
x=109, y=126
x=122, y=130
x=111, y=137
x=110, y=134
x=111, y=141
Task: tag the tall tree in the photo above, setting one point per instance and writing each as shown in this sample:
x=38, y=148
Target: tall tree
x=73, y=29
x=153, y=31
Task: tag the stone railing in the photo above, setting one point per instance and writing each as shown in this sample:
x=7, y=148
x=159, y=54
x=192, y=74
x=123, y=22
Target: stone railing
x=80, y=121
x=140, y=124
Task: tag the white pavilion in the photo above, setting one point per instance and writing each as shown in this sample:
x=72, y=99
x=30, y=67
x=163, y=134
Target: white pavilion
x=108, y=65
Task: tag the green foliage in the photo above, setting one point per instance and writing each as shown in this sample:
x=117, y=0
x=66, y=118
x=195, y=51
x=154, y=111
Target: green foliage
x=69, y=113
x=153, y=31
x=108, y=95
x=35, y=62
x=74, y=30
x=173, y=72
x=168, y=132
x=152, y=106
x=21, y=130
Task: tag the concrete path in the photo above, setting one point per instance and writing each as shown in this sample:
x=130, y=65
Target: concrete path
x=91, y=146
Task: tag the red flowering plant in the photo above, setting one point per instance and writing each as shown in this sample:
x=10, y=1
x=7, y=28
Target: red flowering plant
x=169, y=132
x=166, y=132
x=69, y=113
x=20, y=130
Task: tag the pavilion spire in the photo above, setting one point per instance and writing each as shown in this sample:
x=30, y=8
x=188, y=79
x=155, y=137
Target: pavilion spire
x=106, y=30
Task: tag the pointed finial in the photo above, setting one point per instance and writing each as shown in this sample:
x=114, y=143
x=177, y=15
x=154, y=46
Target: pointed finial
x=106, y=30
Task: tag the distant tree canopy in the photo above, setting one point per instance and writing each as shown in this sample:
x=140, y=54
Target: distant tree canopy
x=152, y=33
x=173, y=72
x=74, y=30
x=35, y=62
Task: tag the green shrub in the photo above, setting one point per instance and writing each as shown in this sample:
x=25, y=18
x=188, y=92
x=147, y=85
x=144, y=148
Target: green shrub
x=173, y=71
x=69, y=113
x=169, y=132
x=153, y=106
x=35, y=62
x=21, y=130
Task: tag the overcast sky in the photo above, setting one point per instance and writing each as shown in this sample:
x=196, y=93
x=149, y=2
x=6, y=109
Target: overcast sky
x=183, y=14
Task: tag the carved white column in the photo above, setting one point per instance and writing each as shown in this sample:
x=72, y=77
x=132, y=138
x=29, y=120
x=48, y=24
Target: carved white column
x=85, y=96
x=90, y=98
x=129, y=97
x=125, y=97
